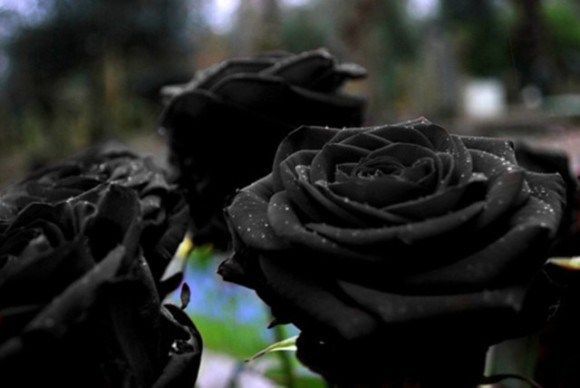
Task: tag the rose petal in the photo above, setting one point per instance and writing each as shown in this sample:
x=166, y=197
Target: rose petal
x=271, y=96
x=303, y=138
x=494, y=263
x=491, y=165
x=209, y=77
x=346, y=133
x=405, y=153
x=463, y=163
x=366, y=140
x=50, y=271
x=409, y=234
x=303, y=69
x=407, y=309
x=502, y=148
x=441, y=202
x=65, y=309
x=397, y=134
x=379, y=192
x=248, y=216
x=294, y=174
x=369, y=214
x=439, y=137
x=181, y=368
x=287, y=226
x=323, y=164
x=446, y=170
x=504, y=193
x=117, y=211
x=313, y=304
x=551, y=190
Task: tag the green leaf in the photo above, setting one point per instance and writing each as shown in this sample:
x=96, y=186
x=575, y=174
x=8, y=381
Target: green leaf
x=185, y=248
x=201, y=256
x=568, y=263
x=287, y=345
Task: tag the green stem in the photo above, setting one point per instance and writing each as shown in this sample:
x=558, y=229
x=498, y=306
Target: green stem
x=285, y=360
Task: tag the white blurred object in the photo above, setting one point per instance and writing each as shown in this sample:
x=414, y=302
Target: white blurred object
x=484, y=98
x=422, y=9
x=218, y=371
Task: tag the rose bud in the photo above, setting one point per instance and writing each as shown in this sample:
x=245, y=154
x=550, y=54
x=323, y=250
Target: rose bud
x=401, y=252
x=224, y=126
x=79, y=298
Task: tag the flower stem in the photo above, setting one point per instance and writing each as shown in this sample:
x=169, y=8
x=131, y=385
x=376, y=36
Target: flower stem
x=284, y=357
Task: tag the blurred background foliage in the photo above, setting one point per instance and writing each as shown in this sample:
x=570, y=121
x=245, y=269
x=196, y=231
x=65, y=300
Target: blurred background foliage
x=74, y=72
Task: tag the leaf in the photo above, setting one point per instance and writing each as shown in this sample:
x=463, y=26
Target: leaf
x=568, y=263
x=185, y=247
x=201, y=256
x=287, y=345
x=179, y=260
x=185, y=295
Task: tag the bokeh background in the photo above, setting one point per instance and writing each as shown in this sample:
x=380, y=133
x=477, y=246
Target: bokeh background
x=76, y=72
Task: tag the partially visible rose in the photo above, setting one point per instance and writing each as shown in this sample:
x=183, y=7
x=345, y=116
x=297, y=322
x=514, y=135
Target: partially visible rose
x=224, y=126
x=79, y=301
x=400, y=251
x=83, y=177
x=545, y=160
x=558, y=355
x=557, y=364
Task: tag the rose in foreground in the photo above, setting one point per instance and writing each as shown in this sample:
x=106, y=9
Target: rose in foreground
x=225, y=125
x=398, y=251
x=80, y=303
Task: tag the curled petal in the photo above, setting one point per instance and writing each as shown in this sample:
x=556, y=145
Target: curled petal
x=303, y=138
x=409, y=233
x=407, y=309
x=248, y=216
x=315, y=305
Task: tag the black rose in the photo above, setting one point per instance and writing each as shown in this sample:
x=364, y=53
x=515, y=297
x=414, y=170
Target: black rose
x=392, y=247
x=555, y=161
x=224, y=126
x=163, y=211
x=79, y=300
x=559, y=341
